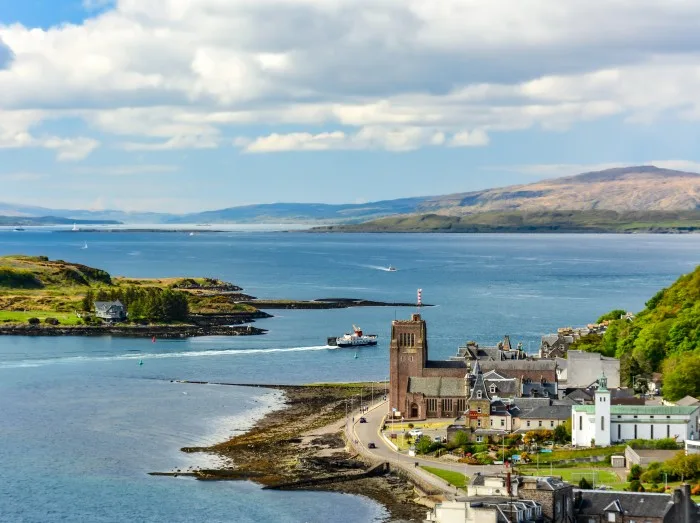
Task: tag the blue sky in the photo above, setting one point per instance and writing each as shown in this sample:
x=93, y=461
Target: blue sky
x=186, y=105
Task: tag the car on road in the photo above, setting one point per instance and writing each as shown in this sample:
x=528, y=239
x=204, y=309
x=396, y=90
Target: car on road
x=415, y=433
x=363, y=420
x=371, y=445
x=437, y=439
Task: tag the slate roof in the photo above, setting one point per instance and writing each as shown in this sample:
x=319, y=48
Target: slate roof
x=558, y=412
x=633, y=504
x=579, y=394
x=478, y=385
x=521, y=369
x=527, y=404
x=438, y=387
x=565, y=401
x=504, y=387
x=537, y=390
x=445, y=364
x=688, y=401
x=104, y=306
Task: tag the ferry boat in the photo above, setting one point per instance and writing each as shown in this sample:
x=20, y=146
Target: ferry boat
x=356, y=339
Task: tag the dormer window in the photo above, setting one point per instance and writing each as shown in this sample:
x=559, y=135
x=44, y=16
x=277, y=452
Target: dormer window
x=492, y=389
x=478, y=394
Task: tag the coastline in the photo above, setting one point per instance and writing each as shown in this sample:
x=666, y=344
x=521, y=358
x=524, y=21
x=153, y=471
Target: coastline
x=303, y=440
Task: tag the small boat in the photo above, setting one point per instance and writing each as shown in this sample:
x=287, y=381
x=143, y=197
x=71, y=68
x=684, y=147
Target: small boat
x=191, y=234
x=75, y=228
x=18, y=229
x=391, y=268
x=356, y=355
x=140, y=362
x=84, y=246
x=356, y=339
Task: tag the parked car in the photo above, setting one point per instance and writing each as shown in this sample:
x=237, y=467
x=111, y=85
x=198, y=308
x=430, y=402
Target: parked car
x=363, y=420
x=437, y=439
x=371, y=445
x=415, y=433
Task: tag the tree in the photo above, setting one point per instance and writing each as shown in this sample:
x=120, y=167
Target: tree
x=635, y=473
x=584, y=484
x=687, y=467
x=612, y=315
x=682, y=375
x=561, y=435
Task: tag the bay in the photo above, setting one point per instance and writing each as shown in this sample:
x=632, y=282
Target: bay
x=82, y=423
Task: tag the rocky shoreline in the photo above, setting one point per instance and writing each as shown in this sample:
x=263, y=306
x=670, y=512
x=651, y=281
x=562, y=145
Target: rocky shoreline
x=303, y=443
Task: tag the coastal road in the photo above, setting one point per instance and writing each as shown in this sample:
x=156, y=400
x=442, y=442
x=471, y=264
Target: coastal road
x=366, y=433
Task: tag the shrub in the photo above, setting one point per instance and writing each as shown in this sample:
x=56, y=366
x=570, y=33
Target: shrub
x=33, y=321
x=584, y=484
x=695, y=491
x=51, y=321
x=18, y=279
x=636, y=486
x=635, y=473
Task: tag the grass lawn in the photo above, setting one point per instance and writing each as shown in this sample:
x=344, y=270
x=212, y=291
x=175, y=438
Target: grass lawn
x=573, y=475
x=432, y=425
x=453, y=478
x=66, y=318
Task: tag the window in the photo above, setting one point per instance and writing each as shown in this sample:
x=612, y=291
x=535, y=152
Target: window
x=611, y=516
x=528, y=423
x=461, y=405
x=478, y=394
x=432, y=404
x=652, y=417
x=635, y=432
x=540, y=423
x=447, y=405
x=668, y=417
x=619, y=432
x=618, y=417
x=635, y=417
x=503, y=422
x=478, y=410
x=602, y=423
x=652, y=432
x=478, y=423
x=492, y=389
x=580, y=423
x=551, y=423
x=479, y=439
x=668, y=431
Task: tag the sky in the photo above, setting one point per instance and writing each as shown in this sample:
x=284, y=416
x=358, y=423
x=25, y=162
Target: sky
x=188, y=105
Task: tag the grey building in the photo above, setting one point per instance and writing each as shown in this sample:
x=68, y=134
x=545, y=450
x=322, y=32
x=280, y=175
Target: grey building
x=110, y=310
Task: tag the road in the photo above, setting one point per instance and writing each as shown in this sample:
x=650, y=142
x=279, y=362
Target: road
x=365, y=433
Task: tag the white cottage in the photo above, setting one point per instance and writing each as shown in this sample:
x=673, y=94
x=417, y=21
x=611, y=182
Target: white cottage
x=601, y=424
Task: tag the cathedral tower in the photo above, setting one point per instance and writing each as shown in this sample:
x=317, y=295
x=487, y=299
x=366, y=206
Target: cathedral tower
x=408, y=352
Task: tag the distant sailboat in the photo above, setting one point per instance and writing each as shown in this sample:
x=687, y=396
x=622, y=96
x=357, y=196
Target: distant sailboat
x=75, y=228
x=356, y=355
x=140, y=362
x=84, y=246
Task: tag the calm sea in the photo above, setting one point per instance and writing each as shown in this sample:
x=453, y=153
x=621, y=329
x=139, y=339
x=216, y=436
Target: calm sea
x=81, y=423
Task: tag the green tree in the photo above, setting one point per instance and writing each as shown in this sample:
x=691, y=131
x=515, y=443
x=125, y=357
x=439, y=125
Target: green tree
x=561, y=434
x=682, y=376
x=612, y=315
x=687, y=467
x=584, y=484
x=88, y=301
x=634, y=473
x=423, y=445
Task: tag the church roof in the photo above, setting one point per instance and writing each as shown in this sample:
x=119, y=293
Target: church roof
x=437, y=387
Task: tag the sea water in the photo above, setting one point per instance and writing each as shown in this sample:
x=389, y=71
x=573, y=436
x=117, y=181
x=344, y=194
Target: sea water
x=82, y=423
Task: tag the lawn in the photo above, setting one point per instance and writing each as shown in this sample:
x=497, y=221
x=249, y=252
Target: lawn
x=574, y=474
x=456, y=479
x=66, y=318
x=428, y=425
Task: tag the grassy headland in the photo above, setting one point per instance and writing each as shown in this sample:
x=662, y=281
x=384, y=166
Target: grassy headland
x=591, y=221
x=53, y=294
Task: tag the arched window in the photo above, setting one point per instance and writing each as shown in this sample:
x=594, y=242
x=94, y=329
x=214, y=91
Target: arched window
x=492, y=389
x=478, y=394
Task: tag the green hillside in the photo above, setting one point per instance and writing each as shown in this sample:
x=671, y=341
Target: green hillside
x=664, y=337
x=533, y=221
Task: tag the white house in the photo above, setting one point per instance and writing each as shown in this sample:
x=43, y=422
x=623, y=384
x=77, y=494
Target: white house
x=602, y=424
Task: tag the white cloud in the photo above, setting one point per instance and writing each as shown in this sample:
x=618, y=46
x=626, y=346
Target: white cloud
x=476, y=138
x=372, y=137
x=21, y=177
x=399, y=75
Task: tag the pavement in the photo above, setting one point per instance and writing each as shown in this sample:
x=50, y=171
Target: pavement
x=361, y=434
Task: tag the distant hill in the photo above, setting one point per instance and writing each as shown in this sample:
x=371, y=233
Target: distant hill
x=628, y=189
x=591, y=221
x=640, y=188
x=16, y=221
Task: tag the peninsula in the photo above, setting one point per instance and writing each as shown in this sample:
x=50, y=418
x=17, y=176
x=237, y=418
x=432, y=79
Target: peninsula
x=42, y=297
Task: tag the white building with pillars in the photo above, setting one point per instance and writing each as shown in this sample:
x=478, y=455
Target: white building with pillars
x=601, y=424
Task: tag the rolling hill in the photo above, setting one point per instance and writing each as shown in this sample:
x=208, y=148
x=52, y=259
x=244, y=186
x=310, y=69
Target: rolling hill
x=623, y=190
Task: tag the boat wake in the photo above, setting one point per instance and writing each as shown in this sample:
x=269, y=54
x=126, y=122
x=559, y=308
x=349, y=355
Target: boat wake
x=145, y=356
